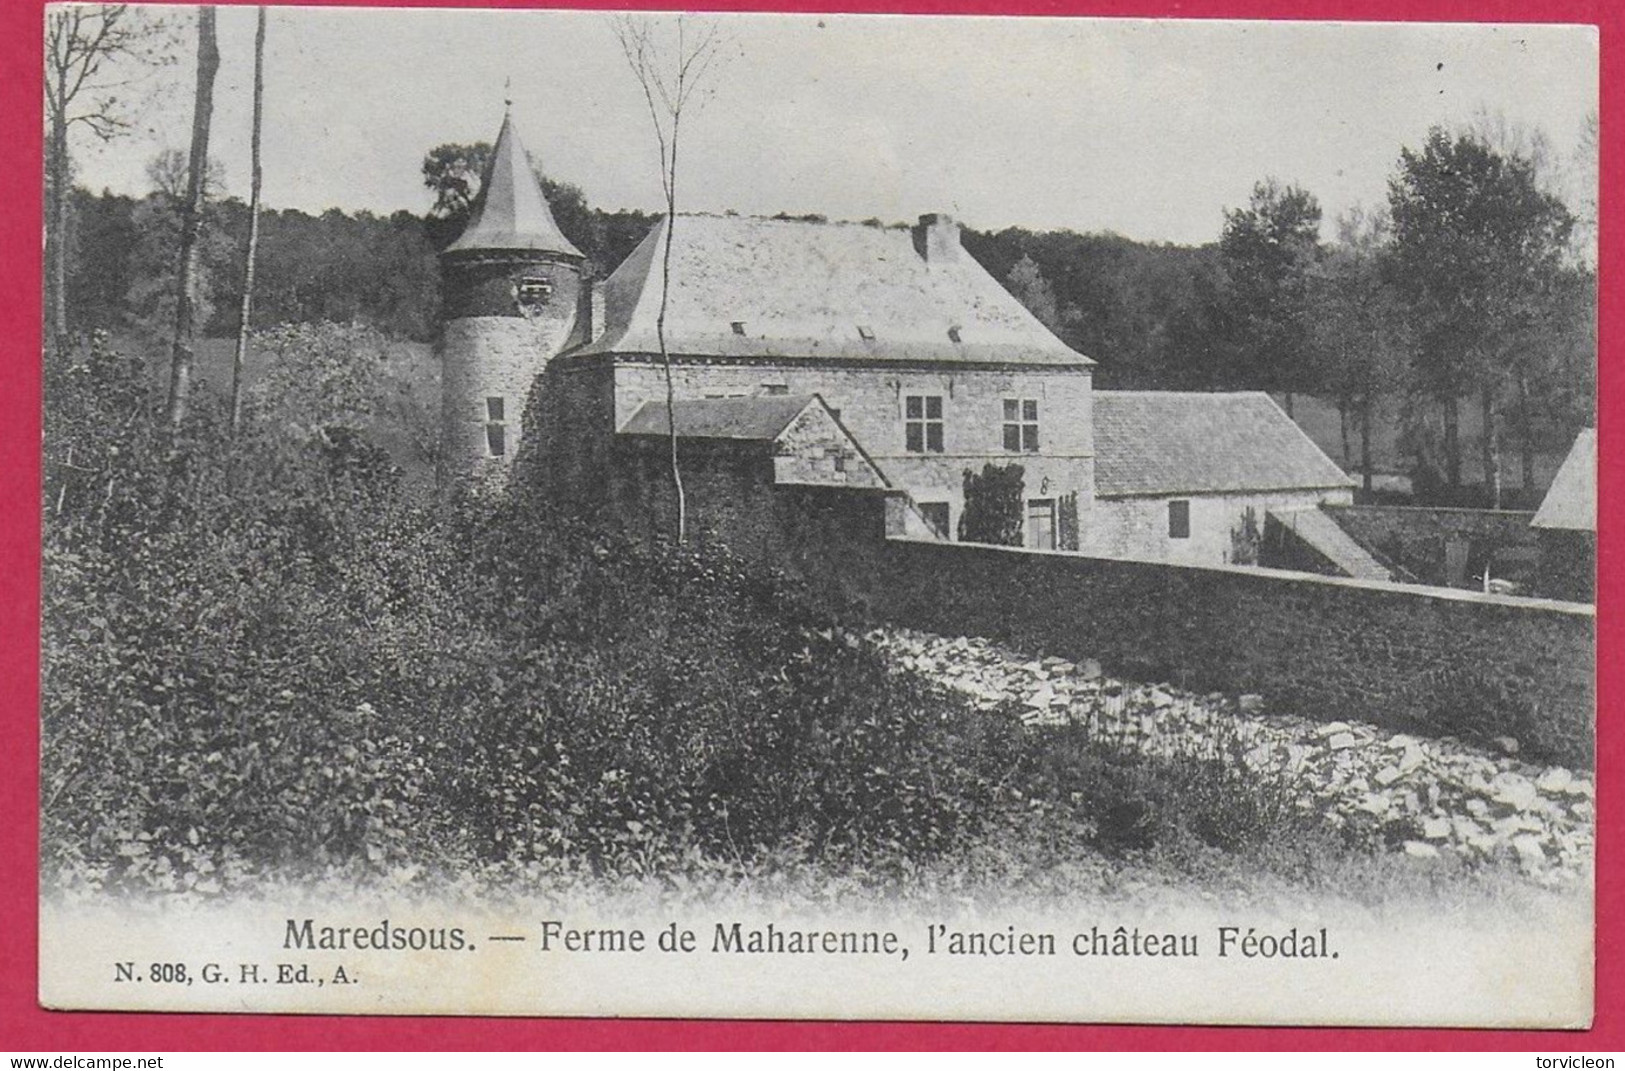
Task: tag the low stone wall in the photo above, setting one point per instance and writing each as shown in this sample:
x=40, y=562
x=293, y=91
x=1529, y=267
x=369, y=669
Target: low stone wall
x=1408, y=658
x=1419, y=539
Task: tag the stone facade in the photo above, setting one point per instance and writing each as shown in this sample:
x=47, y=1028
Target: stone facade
x=871, y=404
x=815, y=450
x=1139, y=527
x=497, y=356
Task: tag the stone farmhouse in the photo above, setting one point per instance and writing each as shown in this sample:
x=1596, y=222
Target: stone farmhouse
x=838, y=356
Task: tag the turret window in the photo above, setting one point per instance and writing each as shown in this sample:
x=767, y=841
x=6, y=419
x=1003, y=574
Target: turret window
x=496, y=426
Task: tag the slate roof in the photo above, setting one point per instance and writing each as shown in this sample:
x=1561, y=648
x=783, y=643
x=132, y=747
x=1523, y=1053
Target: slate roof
x=1171, y=442
x=760, y=418
x=801, y=289
x=1571, y=501
x=510, y=211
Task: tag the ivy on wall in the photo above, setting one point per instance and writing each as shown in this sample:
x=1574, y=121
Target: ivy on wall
x=993, y=506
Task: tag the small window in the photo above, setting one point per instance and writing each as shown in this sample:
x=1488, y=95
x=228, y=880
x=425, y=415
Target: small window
x=953, y=334
x=922, y=423
x=866, y=332
x=739, y=327
x=534, y=290
x=775, y=388
x=496, y=426
x=1021, y=425
x=936, y=514
x=1179, y=519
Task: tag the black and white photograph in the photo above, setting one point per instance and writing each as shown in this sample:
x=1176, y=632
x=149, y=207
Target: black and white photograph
x=832, y=516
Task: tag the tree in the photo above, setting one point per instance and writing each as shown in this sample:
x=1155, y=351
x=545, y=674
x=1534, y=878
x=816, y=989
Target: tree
x=169, y=172
x=673, y=79
x=149, y=292
x=1357, y=330
x=1478, y=256
x=180, y=368
x=253, y=225
x=1268, y=251
x=83, y=47
x=1029, y=287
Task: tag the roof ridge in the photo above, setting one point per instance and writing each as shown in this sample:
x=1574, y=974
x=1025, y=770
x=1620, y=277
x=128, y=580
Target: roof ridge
x=1131, y=392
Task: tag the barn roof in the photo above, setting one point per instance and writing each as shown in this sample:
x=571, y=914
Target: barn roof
x=1571, y=501
x=749, y=287
x=1172, y=442
x=754, y=419
x=510, y=211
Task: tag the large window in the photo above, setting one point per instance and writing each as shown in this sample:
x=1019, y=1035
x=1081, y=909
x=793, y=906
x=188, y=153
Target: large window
x=1179, y=519
x=922, y=423
x=496, y=426
x=1021, y=425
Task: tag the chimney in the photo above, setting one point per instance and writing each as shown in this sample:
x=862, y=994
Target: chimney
x=936, y=238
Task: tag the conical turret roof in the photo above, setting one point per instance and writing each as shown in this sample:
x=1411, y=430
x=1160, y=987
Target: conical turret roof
x=510, y=212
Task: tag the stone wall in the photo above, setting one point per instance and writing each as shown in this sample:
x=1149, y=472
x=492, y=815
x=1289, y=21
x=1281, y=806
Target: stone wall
x=1430, y=661
x=1410, y=659
x=731, y=500
x=1443, y=546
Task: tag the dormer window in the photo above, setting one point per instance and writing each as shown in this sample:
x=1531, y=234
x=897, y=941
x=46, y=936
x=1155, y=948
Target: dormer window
x=534, y=291
x=866, y=332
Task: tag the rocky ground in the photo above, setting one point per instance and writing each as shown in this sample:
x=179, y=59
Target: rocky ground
x=1443, y=795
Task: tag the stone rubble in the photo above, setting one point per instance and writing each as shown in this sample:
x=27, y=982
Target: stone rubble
x=1450, y=796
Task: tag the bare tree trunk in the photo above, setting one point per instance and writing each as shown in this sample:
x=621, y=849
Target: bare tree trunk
x=1343, y=427
x=1365, y=441
x=180, y=367
x=671, y=385
x=1288, y=398
x=56, y=229
x=1491, y=448
x=1452, y=444
x=675, y=91
x=660, y=329
x=253, y=227
x=1526, y=431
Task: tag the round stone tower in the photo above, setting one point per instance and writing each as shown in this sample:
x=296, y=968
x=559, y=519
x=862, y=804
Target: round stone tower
x=510, y=293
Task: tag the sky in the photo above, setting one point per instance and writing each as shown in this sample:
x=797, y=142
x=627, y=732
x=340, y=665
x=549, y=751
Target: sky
x=1148, y=128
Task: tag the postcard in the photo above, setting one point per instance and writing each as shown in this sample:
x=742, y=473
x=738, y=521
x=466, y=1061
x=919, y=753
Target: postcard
x=556, y=513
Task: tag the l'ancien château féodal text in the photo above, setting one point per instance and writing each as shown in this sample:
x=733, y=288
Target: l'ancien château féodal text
x=941, y=939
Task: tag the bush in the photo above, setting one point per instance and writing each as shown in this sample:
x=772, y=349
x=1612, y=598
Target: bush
x=264, y=656
x=995, y=509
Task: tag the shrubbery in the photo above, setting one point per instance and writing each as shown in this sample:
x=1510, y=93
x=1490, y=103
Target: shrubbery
x=265, y=656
